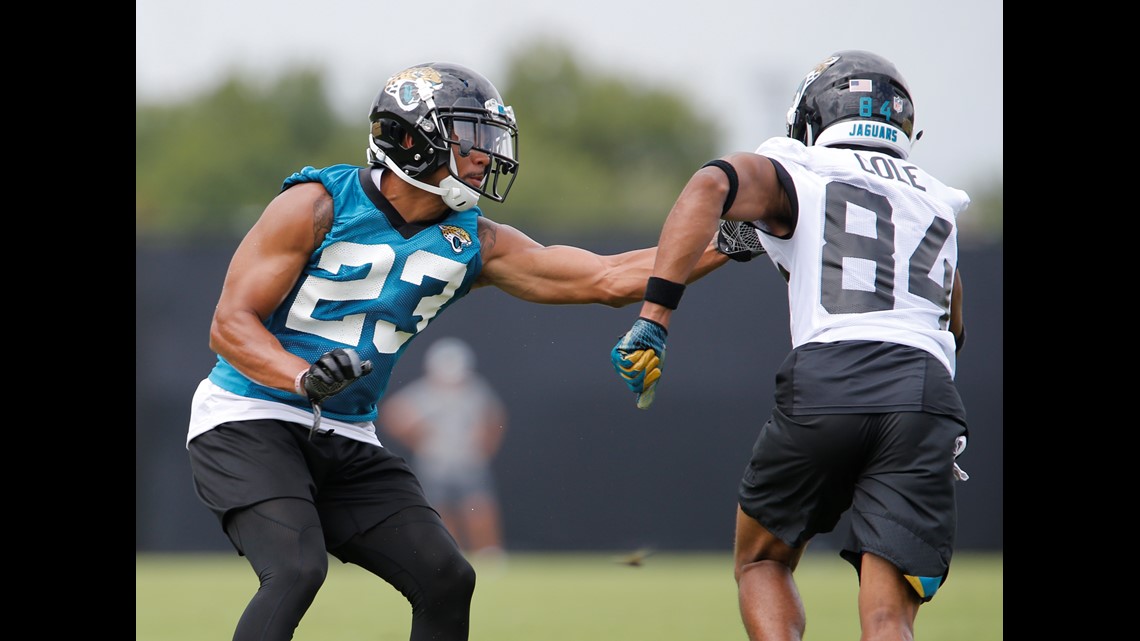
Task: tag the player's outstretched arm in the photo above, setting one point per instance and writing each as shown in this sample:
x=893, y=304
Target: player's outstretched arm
x=563, y=274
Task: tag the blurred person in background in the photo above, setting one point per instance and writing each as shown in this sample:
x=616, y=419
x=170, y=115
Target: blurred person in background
x=453, y=422
x=344, y=268
x=867, y=413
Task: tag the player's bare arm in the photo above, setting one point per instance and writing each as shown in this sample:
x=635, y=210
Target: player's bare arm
x=561, y=274
x=261, y=274
x=693, y=221
x=759, y=197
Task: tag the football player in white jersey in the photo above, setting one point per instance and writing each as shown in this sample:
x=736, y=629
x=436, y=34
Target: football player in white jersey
x=867, y=414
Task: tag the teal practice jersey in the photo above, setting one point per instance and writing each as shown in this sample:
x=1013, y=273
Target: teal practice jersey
x=374, y=284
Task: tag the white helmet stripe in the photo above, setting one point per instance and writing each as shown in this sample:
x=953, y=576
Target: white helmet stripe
x=865, y=132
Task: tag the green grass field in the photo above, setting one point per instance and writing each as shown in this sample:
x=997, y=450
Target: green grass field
x=557, y=597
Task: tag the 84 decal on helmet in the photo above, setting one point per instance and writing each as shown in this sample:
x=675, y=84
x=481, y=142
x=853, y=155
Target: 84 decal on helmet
x=854, y=98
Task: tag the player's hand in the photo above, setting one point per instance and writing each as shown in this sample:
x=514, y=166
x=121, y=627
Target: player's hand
x=638, y=358
x=333, y=372
x=739, y=240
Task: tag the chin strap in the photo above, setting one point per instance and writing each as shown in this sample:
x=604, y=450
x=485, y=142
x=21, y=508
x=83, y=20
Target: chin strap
x=455, y=193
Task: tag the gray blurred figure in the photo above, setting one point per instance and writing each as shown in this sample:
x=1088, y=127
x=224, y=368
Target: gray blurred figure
x=453, y=422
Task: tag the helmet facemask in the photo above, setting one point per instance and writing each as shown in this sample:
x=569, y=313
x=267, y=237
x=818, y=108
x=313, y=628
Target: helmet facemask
x=465, y=130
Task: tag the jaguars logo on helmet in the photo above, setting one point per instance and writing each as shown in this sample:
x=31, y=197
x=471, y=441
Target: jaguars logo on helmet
x=411, y=86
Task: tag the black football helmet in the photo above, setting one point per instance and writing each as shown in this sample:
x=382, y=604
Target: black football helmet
x=441, y=106
x=854, y=98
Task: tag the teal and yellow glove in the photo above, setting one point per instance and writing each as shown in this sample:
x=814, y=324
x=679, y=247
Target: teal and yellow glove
x=638, y=358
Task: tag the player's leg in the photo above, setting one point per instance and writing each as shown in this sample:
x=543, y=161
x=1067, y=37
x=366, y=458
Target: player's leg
x=282, y=540
x=903, y=510
x=479, y=510
x=444, y=489
x=453, y=520
x=796, y=485
x=413, y=551
x=252, y=476
x=888, y=604
x=481, y=524
x=770, y=604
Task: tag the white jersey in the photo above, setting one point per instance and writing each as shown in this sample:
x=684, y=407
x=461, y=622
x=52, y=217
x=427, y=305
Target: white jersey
x=874, y=249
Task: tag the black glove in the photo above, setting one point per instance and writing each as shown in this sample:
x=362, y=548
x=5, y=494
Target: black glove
x=333, y=372
x=739, y=240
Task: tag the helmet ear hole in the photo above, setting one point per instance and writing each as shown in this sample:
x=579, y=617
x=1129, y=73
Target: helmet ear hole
x=391, y=130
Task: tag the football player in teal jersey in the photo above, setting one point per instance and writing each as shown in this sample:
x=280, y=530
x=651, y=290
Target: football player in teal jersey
x=342, y=270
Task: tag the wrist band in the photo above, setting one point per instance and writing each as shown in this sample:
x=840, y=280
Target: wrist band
x=298, y=385
x=960, y=340
x=665, y=293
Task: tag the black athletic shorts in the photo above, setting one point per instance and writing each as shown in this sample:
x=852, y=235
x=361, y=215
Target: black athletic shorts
x=894, y=470
x=353, y=485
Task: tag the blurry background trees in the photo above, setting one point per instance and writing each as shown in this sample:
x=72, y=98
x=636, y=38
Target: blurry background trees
x=211, y=164
x=597, y=150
